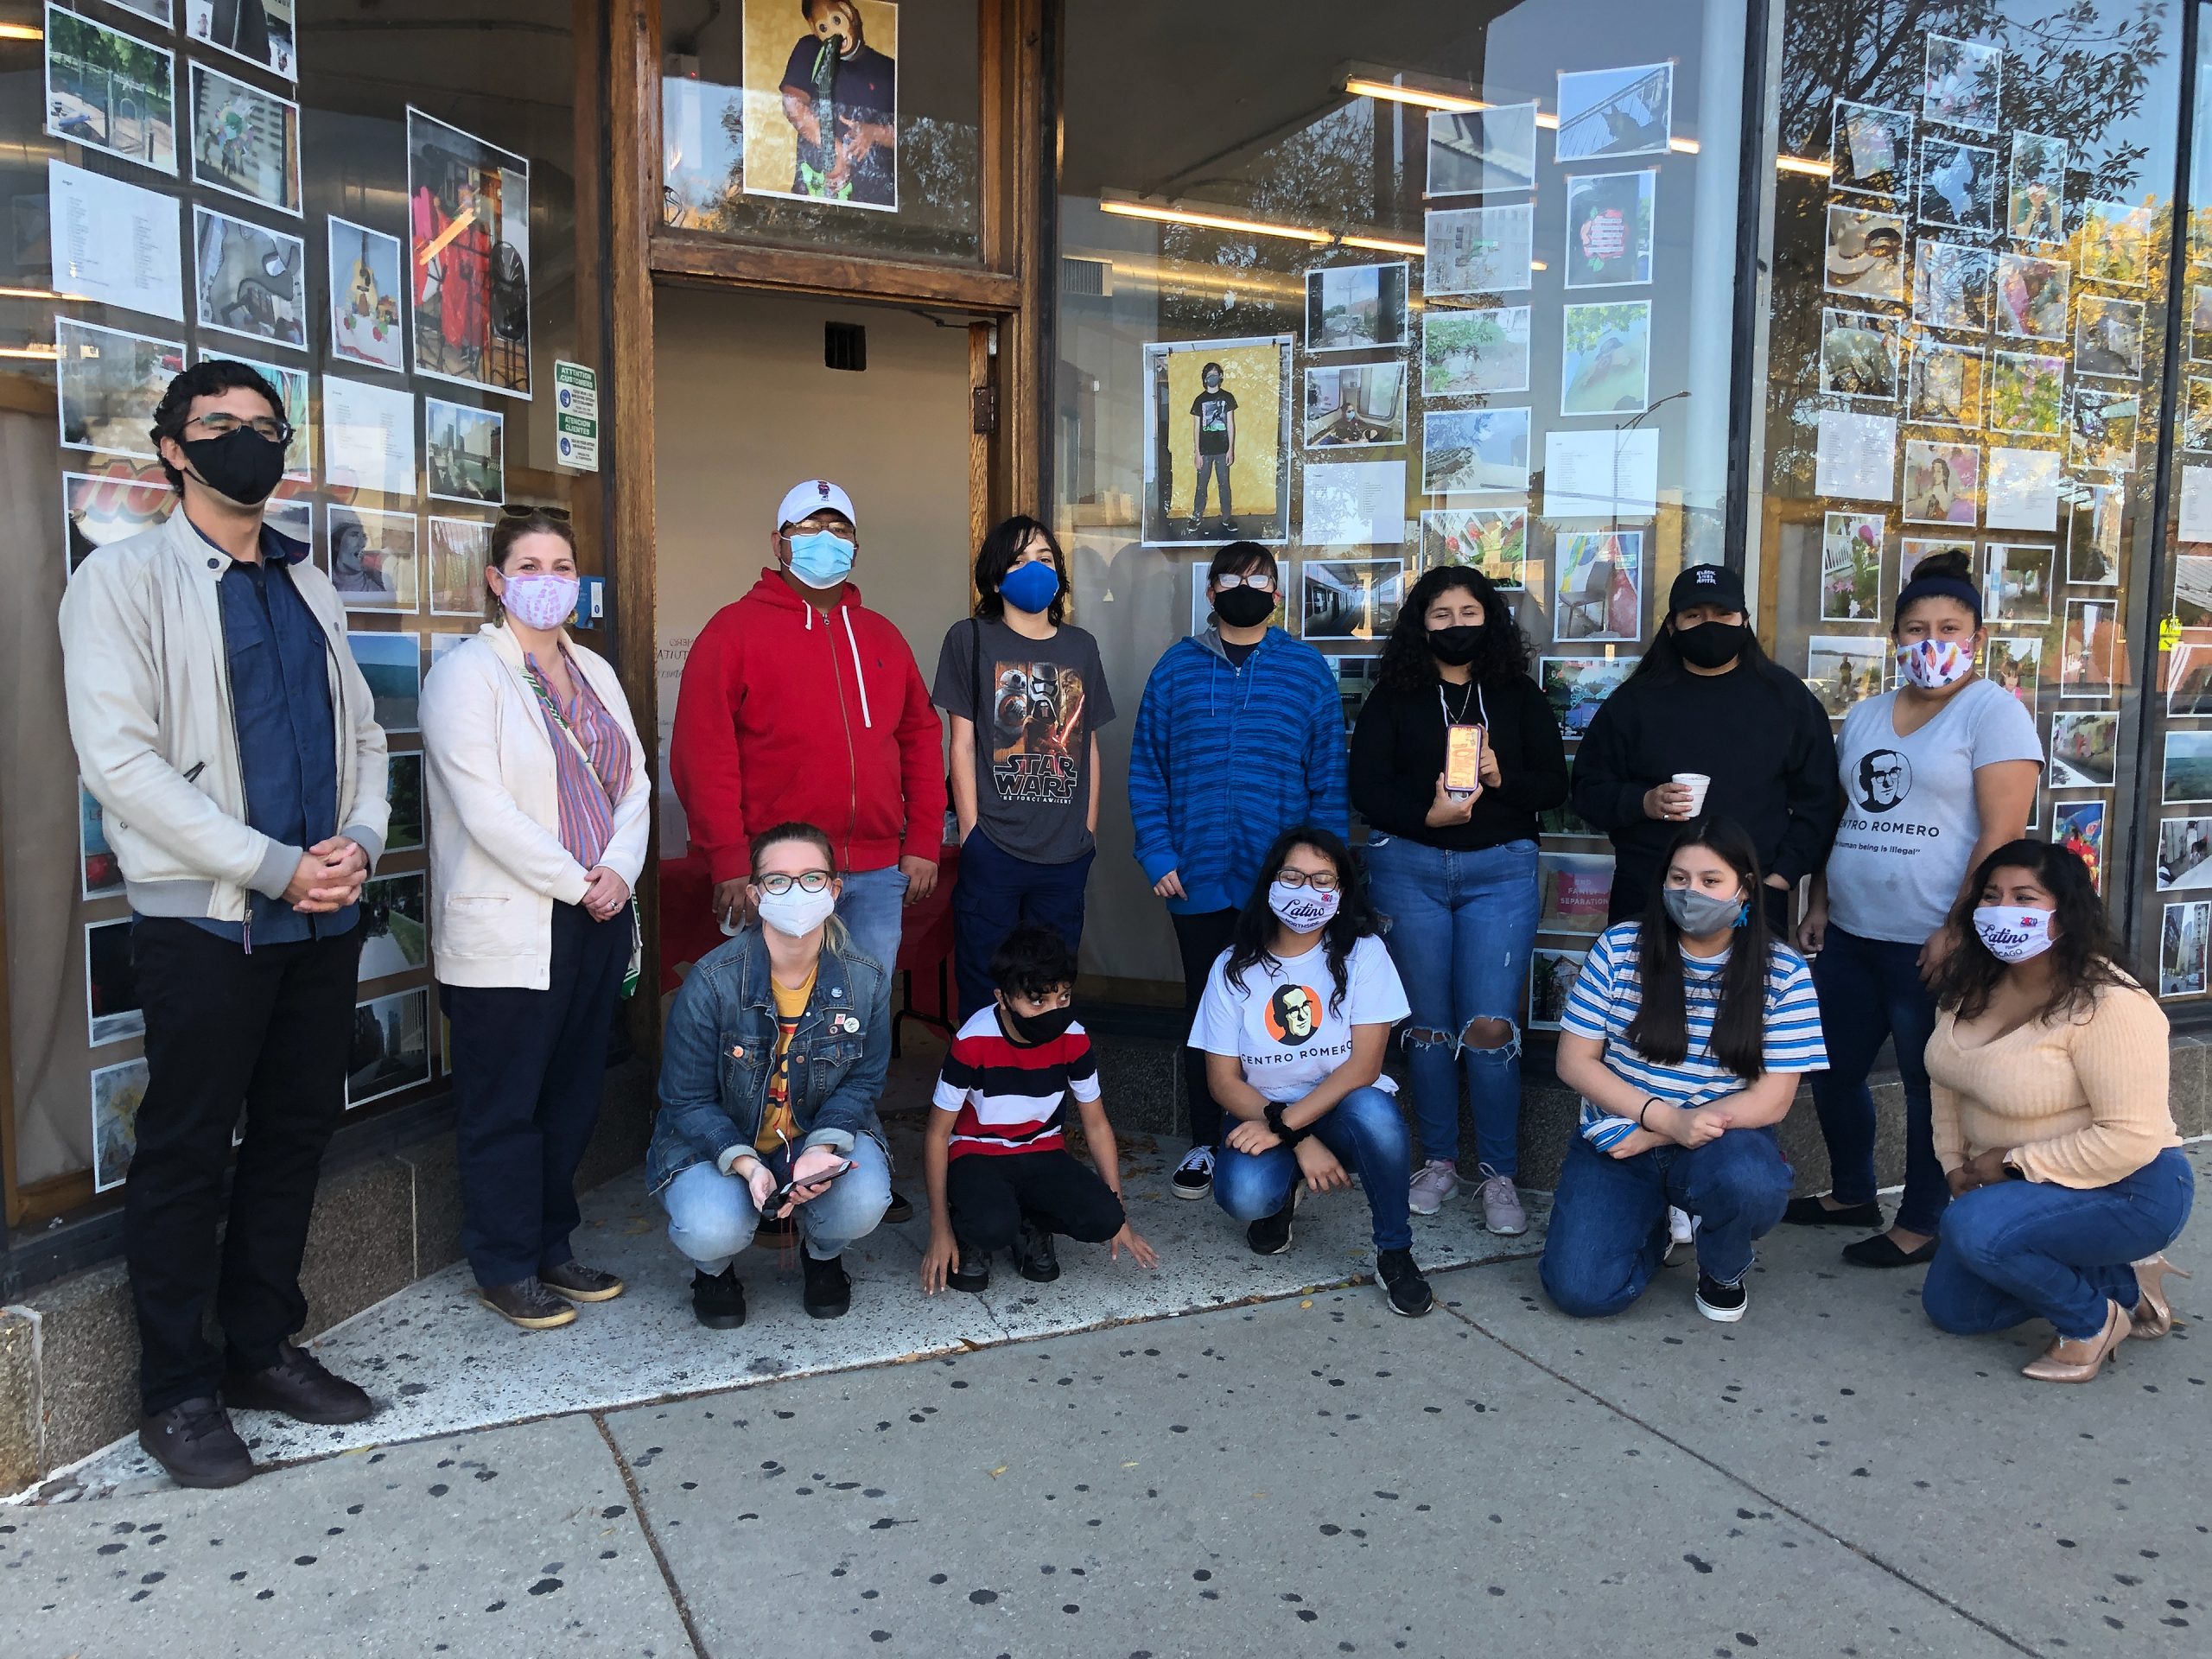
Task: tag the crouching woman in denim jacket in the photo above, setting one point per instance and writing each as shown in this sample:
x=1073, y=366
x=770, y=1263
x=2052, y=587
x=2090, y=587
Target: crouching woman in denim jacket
x=775, y=1054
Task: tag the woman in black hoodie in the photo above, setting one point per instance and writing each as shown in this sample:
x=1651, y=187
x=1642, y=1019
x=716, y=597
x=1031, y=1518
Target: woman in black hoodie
x=1454, y=871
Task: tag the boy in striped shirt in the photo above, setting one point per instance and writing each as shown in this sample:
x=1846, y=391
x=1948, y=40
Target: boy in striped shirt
x=1685, y=1034
x=996, y=1157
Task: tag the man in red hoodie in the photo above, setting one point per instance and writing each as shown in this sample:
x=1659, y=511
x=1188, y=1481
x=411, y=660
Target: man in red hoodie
x=799, y=702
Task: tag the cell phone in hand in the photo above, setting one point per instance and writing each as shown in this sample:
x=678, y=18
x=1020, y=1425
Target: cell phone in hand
x=782, y=1195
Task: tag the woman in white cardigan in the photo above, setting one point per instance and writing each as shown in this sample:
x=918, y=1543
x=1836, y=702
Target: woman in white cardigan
x=538, y=797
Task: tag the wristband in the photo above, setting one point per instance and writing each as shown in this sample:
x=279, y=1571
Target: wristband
x=1648, y=1104
x=1273, y=1112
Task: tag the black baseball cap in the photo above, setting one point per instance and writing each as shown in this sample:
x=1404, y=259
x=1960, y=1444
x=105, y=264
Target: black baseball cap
x=1707, y=584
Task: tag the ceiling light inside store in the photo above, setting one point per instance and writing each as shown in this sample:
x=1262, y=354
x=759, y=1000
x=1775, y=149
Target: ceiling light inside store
x=22, y=32
x=1202, y=219
x=36, y=351
x=1802, y=164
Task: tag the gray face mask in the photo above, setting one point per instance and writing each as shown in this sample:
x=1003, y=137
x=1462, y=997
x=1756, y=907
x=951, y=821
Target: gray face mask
x=1698, y=914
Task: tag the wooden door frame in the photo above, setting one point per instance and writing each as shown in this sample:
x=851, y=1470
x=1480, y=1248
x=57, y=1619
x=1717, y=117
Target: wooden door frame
x=1006, y=296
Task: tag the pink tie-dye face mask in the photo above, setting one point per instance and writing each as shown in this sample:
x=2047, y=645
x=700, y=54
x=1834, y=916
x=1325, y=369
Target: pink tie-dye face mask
x=1932, y=664
x=540, y=602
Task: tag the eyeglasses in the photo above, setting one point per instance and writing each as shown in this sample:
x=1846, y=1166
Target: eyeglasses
x=524, y=508
x=266, y=425
x=1259, y=581
x=1319, y=881
x=806, y=882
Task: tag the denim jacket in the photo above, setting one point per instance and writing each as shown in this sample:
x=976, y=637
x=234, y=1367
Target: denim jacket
x=720, y=1044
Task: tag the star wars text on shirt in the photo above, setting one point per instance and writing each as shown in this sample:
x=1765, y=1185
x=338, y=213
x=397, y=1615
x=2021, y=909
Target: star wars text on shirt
x=1036, y=728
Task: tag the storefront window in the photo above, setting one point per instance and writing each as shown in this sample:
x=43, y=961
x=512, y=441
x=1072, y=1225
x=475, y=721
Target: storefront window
x=379, y=213
x=842, y=124
x=1473, y=301
x=1966, y=325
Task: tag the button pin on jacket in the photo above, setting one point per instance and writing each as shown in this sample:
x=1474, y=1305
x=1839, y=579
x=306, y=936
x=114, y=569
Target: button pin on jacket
x=738, y=1052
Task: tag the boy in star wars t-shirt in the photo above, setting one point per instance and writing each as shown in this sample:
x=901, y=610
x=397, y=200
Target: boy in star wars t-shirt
x=1213, y=439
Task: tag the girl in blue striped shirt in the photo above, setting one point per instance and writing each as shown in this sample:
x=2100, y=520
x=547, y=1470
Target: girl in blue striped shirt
x=1685, y=1033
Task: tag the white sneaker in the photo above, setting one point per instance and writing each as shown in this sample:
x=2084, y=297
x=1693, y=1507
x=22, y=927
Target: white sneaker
x=1681, y=1229
x=1432, y=1183
x=1502, y=1210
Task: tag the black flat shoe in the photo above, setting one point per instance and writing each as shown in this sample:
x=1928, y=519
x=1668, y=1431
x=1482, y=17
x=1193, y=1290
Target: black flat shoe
x=1811, y=1212
x=1882, y=1251
x=901, y=1208
x=1034, y=1258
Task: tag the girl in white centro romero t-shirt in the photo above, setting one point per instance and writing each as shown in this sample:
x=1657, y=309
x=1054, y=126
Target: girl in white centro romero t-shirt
x=1293, y=1022
x=1936, y=775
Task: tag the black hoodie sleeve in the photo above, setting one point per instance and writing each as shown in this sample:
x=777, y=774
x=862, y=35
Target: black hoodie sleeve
x=1388, y=798
x=1811, y=788
x=1538, y=782
x=1607, y=791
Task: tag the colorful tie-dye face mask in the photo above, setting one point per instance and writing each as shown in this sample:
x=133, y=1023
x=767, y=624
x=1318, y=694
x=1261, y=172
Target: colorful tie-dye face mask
x=1932, y=664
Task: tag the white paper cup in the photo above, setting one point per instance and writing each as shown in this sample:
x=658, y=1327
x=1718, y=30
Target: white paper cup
x=1698, y=783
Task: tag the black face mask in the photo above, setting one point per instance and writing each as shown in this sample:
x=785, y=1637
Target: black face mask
x=1456, y=645
x=1244, y=608
x=241, y=466
x=1034, y=1028
x=1712, y=645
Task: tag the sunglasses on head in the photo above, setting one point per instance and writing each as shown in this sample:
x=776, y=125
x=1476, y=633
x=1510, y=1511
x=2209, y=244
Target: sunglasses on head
x=524, y=508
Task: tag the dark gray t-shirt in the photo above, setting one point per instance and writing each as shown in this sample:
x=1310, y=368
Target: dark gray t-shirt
x=1040, y=700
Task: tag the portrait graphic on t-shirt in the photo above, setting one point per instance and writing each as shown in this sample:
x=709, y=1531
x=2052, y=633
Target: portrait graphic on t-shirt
x=1884, y=780
x=1212, y=407
x=1037, y=732
x=1293, y=1014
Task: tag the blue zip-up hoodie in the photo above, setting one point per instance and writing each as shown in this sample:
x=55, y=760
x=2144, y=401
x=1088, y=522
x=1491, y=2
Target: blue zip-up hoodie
x=1224, y=760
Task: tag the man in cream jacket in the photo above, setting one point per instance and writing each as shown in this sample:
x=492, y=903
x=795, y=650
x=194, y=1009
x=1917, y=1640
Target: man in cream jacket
x=221, y=723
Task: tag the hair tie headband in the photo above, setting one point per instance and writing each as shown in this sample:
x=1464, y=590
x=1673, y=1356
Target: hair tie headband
x=1922, y=588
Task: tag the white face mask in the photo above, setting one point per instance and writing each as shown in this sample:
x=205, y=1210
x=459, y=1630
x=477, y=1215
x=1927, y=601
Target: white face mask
x=795, y=911
x=1931, y=664
x=1302, y=909
x=2011, y=933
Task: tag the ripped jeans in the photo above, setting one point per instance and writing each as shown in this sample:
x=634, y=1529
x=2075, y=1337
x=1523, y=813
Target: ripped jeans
x=1461, y=926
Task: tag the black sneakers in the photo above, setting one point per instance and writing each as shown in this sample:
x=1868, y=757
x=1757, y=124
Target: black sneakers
x=1404, y=1288
x=1270, y=1234
x=718, y=1302
x=195, y=1443
x=1193, y=1176
x=1718, y=1301
x=301, y=1387
x=829, y=1289
x=974, y=1273
x=1035, y=1256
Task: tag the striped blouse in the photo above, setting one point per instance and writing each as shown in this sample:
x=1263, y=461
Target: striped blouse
x=1606, y=999
x=587, y=792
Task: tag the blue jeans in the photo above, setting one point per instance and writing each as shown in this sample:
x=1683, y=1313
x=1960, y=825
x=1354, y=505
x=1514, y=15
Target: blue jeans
x=2019, y=1249
x=1609, y=1217
x=1369, y=1138
x=1461, y=928
x=996, y=893
x=872, y=908
x=1871, y=989
x=711, y=1217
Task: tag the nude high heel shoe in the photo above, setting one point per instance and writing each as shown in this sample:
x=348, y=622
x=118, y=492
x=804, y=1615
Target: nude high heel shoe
x=2154, y=1314
x=2075, y=1360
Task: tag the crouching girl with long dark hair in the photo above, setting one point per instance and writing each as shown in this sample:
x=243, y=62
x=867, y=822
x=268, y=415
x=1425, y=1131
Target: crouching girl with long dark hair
x=1685, y=1033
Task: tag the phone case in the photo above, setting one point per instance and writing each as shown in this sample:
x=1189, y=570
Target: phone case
x=1462, y=758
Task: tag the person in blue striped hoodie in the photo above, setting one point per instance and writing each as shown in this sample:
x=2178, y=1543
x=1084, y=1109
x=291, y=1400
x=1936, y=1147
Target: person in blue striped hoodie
x=1240, y=735
x=1685, y=1033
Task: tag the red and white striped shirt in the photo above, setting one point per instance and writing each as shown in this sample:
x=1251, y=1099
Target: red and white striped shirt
x=1010, y=1099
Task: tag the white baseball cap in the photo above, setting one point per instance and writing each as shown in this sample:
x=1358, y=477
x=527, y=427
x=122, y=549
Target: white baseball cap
x=814, y=496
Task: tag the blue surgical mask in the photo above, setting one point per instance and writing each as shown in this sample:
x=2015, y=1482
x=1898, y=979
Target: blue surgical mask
x=1030, y=587
x=822, y=559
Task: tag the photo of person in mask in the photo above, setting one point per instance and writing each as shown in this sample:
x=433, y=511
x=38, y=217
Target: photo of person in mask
x=841, y=96
x=1454, y=872
x=1213, y=440
x=1706, y=700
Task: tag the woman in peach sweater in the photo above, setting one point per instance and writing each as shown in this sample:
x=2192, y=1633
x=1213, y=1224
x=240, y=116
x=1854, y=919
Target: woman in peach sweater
x=2049, y=1072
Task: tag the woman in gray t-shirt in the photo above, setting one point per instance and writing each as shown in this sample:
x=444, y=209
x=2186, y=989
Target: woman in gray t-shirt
x=1936, y=775
x=1027, y=695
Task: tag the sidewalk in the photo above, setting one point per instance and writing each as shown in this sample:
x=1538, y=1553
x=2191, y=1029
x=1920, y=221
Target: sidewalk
x=1301, y=1474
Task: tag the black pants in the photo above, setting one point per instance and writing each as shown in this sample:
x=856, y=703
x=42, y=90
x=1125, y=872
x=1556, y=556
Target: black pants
x=1202, y=936
x=528, y=1068
x=272, y=1029
x=988, y=1194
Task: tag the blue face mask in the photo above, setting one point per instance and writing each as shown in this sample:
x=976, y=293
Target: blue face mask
x=822, y=559
x=1030, y=587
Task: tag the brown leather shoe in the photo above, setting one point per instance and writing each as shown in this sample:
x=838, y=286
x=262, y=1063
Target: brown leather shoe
x=528, y=1304
x=2154, y=1314
x=301, y=1387
x=195, y=1442
x=2072, y=1359
x=580, y=1283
